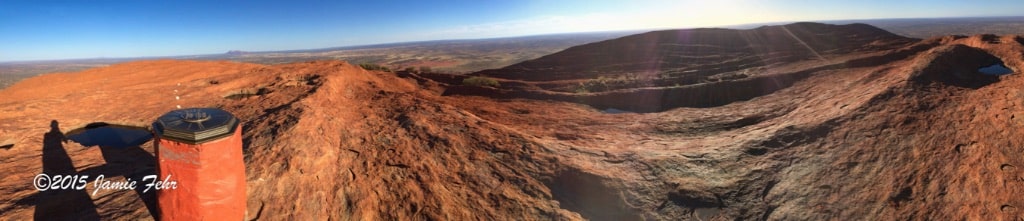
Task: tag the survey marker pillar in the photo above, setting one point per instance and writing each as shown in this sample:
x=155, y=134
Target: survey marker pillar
x=201, y=150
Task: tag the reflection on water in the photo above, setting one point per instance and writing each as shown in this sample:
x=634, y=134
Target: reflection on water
x=995, y=69
x=111, y=136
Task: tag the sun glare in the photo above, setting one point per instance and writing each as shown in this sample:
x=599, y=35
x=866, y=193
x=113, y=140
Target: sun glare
x=678, y=14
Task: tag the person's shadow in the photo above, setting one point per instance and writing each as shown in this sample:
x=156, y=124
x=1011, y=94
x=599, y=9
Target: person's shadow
x=61, y=204
x=124, y=156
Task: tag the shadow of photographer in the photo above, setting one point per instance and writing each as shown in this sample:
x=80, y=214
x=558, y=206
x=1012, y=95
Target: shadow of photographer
x=121, y=147
x=61, y=204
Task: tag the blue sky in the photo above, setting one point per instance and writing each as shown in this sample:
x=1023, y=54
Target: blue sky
x=41, y=30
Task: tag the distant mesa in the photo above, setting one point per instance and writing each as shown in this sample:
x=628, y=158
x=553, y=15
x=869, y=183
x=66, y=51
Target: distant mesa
x=237, y=52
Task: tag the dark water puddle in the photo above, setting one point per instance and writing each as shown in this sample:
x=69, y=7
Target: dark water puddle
x=615, y=111
x=123, y=154
x=107, y=135
x=995, y=69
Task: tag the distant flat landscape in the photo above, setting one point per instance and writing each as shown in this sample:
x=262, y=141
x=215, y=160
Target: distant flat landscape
x=931, y=27
x=454, y=56
x=464, y=56
x=12, y=72
x=451, y=56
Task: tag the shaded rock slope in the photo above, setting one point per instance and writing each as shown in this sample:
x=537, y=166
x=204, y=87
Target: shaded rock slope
x=679, y=52
x=859, y=124
x=661, y=70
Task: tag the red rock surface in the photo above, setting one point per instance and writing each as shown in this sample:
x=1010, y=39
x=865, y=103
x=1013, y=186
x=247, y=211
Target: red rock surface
x=902, y=130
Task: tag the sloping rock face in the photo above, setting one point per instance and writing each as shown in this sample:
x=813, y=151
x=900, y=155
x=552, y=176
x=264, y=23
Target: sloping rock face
x=903, y=129
x=662, y=70
x=322, y=139
x=701, y=51
x=937, y=143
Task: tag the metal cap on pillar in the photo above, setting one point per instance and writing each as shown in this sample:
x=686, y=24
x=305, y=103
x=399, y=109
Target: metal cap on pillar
x=195, y=125
x=201, y=149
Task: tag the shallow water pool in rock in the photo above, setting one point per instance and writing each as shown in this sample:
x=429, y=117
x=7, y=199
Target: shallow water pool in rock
x=995, y=69
x=107, y=135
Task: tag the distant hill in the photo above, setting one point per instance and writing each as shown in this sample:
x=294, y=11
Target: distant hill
x=235, y=53
x=701, y=50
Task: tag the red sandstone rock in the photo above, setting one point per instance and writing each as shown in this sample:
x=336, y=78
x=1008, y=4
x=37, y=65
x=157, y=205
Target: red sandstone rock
x=896, y=130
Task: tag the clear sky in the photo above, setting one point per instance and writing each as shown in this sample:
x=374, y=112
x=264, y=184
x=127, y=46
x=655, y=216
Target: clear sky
x=42, y=30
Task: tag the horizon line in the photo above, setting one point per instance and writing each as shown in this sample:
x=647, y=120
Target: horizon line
x=371, y=45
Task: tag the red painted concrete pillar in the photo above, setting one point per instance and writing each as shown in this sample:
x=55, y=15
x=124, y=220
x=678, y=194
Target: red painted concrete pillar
x=201, y=150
